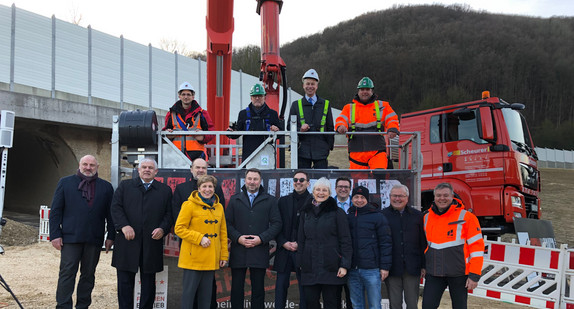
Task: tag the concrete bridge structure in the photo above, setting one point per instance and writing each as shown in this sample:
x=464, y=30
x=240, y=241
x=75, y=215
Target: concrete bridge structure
x=50, y=136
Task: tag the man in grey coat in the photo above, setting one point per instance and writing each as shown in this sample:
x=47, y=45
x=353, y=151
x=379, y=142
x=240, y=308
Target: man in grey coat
x=253, y=220
x=141, y=211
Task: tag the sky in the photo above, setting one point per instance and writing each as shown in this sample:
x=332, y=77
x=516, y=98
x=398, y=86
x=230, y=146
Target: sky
x=184, y=21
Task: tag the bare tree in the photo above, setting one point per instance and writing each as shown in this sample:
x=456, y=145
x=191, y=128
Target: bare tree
x=172, y=46
x=75, y=15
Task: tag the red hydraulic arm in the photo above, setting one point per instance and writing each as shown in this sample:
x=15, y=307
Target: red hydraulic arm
x=272, y=66
x=219, y=23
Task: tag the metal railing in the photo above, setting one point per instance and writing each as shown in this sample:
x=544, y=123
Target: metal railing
x=169, y=156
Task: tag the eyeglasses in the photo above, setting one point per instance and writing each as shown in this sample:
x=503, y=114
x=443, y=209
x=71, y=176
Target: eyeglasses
x=299, y=179
x=343, y=187
x=398, y=196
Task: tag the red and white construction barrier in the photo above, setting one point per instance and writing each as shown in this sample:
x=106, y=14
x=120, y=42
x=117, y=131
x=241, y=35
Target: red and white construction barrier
x=522, y=274
x=567, y=293
x=171, y=245
x=44, y=230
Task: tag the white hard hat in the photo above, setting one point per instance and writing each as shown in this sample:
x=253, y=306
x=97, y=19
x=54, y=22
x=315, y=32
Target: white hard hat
x=311, y=73
x=186, y=86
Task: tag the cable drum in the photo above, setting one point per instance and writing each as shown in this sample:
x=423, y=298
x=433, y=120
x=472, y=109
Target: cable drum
x=138, y=128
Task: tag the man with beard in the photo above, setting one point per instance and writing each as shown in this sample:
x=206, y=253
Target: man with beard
x=187, y=115
x=258, y=116
x=253, y=220
x=367, y=114
x=290, y=207
x=78, y=217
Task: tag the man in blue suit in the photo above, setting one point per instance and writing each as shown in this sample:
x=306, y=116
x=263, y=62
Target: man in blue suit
x=78, y=217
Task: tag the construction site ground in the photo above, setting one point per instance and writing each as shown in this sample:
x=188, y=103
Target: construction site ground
x=31, y=268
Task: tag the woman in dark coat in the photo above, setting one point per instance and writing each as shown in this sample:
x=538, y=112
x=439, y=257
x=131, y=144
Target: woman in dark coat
x=324, y=253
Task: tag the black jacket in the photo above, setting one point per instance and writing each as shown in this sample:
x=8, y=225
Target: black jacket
x=72, y=219
x=324, y=244
x=263, y=219
x=371, y=235
x=183, y=191
x=290, y=213
x=257, y=122
x=144, y=211
x=315, y=147
x=409, y=241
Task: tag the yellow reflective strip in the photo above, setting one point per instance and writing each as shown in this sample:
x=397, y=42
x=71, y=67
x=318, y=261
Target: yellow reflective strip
x=301, y=115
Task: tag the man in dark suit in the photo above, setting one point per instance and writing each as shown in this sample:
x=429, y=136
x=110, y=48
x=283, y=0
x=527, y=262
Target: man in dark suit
x=141, y=210
x=253, y=220
x=80, y=209
x=289, y=207
x=183, y=190
x=181, y=194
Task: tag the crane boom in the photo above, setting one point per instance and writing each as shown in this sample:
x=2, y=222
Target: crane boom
x=272, y=66
x=220, y=25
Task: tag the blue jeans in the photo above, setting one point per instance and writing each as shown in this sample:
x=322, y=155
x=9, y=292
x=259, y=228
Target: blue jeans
x=365, y=280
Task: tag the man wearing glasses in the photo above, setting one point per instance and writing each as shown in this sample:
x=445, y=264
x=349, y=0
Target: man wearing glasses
x=343, y=190
x=289, y=207
x=409, y=244
x=187, y=115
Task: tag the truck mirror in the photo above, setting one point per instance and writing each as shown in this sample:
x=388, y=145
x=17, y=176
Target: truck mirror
x=517, y=106
x=464, y=113
x=486, y=130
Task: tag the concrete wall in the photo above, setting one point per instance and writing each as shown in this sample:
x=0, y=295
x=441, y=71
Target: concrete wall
x=50, y=137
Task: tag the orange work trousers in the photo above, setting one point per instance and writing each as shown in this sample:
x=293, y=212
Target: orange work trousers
x=368, y=160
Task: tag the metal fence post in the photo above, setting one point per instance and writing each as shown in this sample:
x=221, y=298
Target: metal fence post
x=53, y=74
x=89, y=64
x=12, y=45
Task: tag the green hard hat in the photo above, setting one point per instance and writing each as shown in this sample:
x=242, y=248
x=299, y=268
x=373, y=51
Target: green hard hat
x=366, y=82
x=257, y=89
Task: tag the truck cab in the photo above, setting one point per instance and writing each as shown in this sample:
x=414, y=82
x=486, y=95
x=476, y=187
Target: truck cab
x=484, y=149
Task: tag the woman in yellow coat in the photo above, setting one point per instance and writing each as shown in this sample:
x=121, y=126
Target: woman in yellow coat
x=202, y=228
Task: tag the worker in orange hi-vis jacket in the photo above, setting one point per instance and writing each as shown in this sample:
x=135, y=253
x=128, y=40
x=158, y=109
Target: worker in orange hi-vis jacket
x=367, y=114
x=454, y=255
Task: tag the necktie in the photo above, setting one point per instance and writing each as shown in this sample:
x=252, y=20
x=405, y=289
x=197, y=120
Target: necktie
x=146, y=185
x=251, y=198
x=311, y=101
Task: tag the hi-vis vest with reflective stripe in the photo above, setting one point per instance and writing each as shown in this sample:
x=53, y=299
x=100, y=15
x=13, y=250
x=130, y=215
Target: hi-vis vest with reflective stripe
x=352, y=126
x=323, y=119
x=455, y=243
x=187, y=142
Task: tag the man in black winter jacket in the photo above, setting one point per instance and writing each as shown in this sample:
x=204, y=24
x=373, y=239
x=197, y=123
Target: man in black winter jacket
x=372, y=250
x=290, y=208
x=409, y=244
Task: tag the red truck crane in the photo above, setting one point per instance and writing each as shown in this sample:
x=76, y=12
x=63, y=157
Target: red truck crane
x=219, y=23
x=484, y=149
